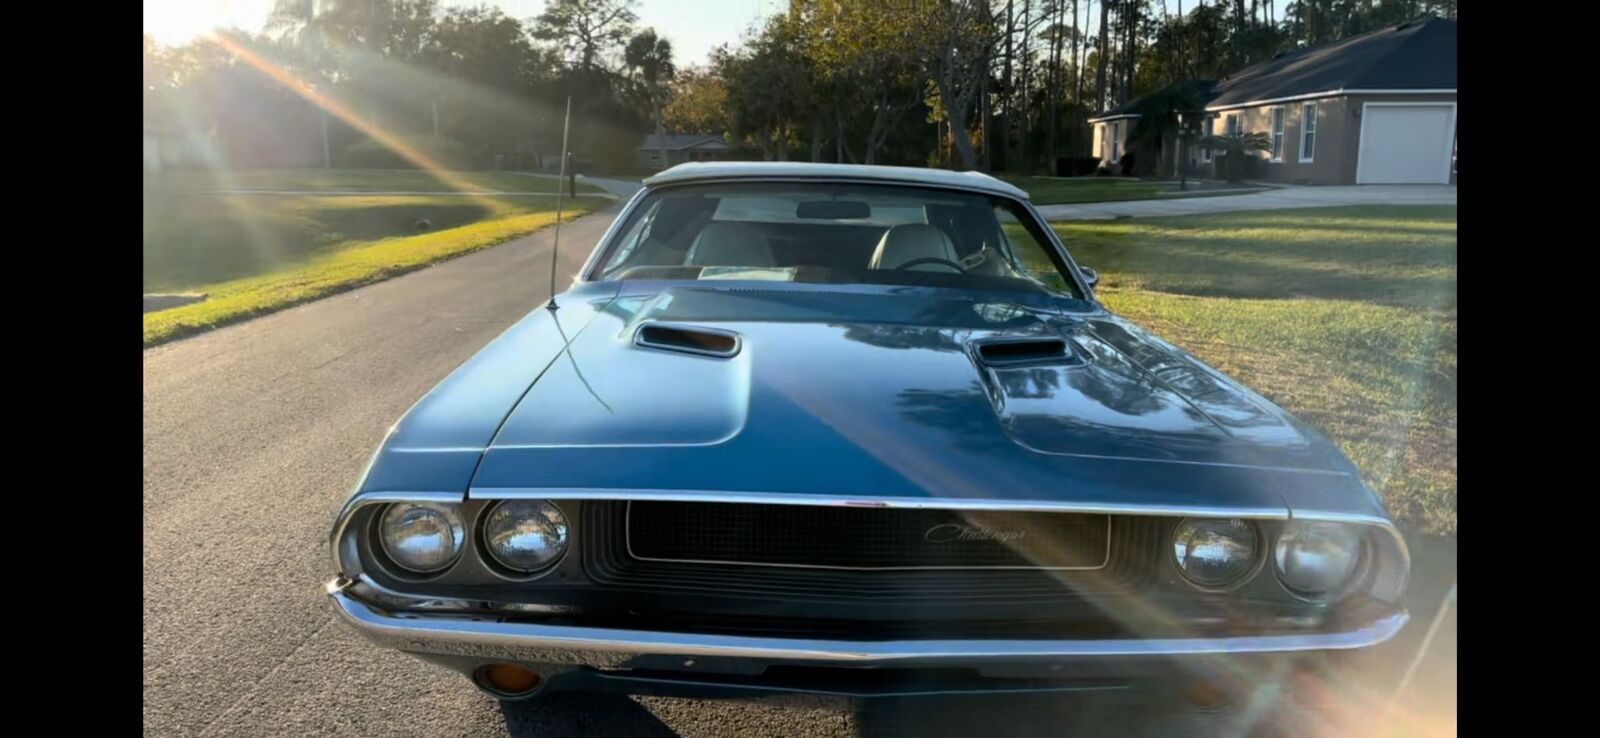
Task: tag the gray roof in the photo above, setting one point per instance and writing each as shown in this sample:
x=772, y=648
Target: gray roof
x=1420, y=55
x=676, y=141
x=1130, y=109
x=698, y=171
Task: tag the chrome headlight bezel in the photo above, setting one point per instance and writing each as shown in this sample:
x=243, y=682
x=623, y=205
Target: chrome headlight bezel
x=1361, y=567
x=1246, y=573
x=497, y=563
x=397, y=565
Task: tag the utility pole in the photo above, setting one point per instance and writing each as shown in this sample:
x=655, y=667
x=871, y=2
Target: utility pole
x=327, y=153
x=1183, y=136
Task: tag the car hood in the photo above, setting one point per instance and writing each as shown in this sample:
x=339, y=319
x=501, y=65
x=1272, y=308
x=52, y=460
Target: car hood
x=884, y=393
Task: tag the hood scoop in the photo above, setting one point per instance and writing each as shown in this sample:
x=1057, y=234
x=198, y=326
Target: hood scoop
x=1008, y=352
x=687, y=339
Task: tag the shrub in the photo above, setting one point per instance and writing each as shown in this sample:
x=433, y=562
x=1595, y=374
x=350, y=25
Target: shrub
x=1240, y=167
x=1075, y=166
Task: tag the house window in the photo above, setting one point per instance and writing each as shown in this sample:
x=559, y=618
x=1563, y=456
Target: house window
x=1233, y=124
x=1211, y=130
x=1116, y=141
x=1278, y=113
x=1308, y=132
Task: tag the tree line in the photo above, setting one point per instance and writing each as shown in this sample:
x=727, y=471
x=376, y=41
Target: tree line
x=1000, y=85
x=465, y=86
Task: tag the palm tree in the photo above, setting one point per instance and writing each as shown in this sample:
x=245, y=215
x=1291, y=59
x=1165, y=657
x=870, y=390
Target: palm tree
x=1235, y=146
x=1168, y=114
x=651, y=57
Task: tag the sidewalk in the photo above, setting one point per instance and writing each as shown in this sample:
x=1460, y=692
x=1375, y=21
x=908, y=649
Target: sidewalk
x=622, y=188
x=1276, y=199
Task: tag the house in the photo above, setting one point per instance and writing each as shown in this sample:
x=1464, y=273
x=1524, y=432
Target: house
x=1378, y=108
x=167, y=148
x=662, y=150
x=1113, y=131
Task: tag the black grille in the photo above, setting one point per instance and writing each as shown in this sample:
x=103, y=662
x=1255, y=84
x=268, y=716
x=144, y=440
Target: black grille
x=864, y=538
x=1129, y=568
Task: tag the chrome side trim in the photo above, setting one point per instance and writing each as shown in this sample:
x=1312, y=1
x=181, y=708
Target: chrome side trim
x=487, y=637
x=590, y=264
x=627, y=539
x=867, y=500
x=1066, y=254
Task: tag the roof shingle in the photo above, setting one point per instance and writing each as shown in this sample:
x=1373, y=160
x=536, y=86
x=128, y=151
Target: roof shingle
x=1419, y=55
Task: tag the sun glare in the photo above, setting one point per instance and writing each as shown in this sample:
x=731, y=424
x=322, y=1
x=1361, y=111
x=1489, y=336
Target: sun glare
x=175, y=22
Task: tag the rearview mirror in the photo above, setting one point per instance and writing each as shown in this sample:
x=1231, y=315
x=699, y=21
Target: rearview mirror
x=833, y=210
x=1089, y=275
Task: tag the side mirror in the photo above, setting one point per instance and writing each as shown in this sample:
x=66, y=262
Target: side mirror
x=1089, y=275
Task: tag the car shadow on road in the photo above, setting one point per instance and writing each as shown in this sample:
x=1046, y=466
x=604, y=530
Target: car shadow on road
x=576, y=714
x=1041, y=716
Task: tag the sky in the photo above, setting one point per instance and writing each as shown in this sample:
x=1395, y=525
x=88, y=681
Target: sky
x=695, y=27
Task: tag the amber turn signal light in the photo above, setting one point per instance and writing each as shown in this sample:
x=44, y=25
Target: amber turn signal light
x=510, y=678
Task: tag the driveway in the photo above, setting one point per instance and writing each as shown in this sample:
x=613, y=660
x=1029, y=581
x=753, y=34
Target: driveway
x=622, y=188
x=1274, y=199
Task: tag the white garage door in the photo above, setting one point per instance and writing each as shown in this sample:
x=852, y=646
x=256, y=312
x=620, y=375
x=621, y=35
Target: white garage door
x=1406, y=144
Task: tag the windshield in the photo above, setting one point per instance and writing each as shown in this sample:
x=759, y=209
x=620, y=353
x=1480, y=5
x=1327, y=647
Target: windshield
x=833, y=233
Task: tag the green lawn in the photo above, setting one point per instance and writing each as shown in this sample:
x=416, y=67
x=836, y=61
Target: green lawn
x=1057, y=190
x=344, y=266
x=256, y=253
x=1345, y=316
x=361, y=180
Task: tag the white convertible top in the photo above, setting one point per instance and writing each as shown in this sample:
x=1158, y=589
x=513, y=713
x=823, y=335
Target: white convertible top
x=713, y=170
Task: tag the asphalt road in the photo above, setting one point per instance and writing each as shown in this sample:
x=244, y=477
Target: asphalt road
x=254, y=433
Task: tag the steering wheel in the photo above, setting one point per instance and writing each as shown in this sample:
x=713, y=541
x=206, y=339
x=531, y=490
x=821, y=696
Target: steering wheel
x=932, y=260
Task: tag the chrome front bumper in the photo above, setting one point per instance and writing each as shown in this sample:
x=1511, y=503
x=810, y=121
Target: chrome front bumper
x=490, y=637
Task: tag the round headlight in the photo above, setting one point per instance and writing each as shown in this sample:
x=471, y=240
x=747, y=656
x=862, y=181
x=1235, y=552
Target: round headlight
x=1317, y=558
x=421, y=537
x=525, y=535
x=1214, y=552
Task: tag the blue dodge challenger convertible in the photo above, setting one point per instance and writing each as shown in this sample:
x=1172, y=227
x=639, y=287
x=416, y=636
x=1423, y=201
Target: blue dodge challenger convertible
x=862, y=431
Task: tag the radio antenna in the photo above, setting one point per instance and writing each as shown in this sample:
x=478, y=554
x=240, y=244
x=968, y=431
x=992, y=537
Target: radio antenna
x=555, y=243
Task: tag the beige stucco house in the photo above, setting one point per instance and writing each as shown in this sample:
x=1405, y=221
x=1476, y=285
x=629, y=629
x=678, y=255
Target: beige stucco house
x=1378, y=108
